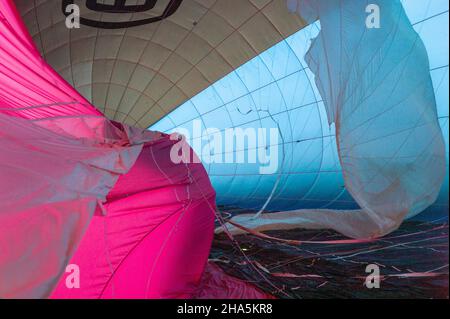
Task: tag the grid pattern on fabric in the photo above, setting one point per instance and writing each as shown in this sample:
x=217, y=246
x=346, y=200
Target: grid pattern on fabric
x=275, y=89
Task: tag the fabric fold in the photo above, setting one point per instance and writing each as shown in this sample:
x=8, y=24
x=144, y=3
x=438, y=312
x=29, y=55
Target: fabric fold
x=59, y=158
x=378, y=92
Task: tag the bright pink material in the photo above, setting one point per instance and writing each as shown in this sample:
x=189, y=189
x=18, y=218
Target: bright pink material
x=216, y=284
x=59, y=158
x=50, y=186
x=61, y=161
x=27, y=81
x=155, y=238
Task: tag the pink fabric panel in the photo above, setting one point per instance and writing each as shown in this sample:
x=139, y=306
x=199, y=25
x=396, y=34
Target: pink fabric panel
x=169, y=262
x=59, y=158
x=50, y=186
x=155, y=238
x=216, y=284
x=27, y=81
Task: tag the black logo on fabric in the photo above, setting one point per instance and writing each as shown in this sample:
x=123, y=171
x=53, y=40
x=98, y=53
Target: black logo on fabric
x=119, y=7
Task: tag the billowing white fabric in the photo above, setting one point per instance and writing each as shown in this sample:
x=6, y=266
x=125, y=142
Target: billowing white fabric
x=377, y=90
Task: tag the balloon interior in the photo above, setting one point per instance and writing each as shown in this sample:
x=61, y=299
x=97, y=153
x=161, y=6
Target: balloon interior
x=223, y=149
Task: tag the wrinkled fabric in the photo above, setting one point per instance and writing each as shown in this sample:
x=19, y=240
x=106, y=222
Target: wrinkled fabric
x=216, y=284
x=155, y=238
x=59, y=159
x=378, y=92
x=77, y=188
x=50, y=186
x=29, y=87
